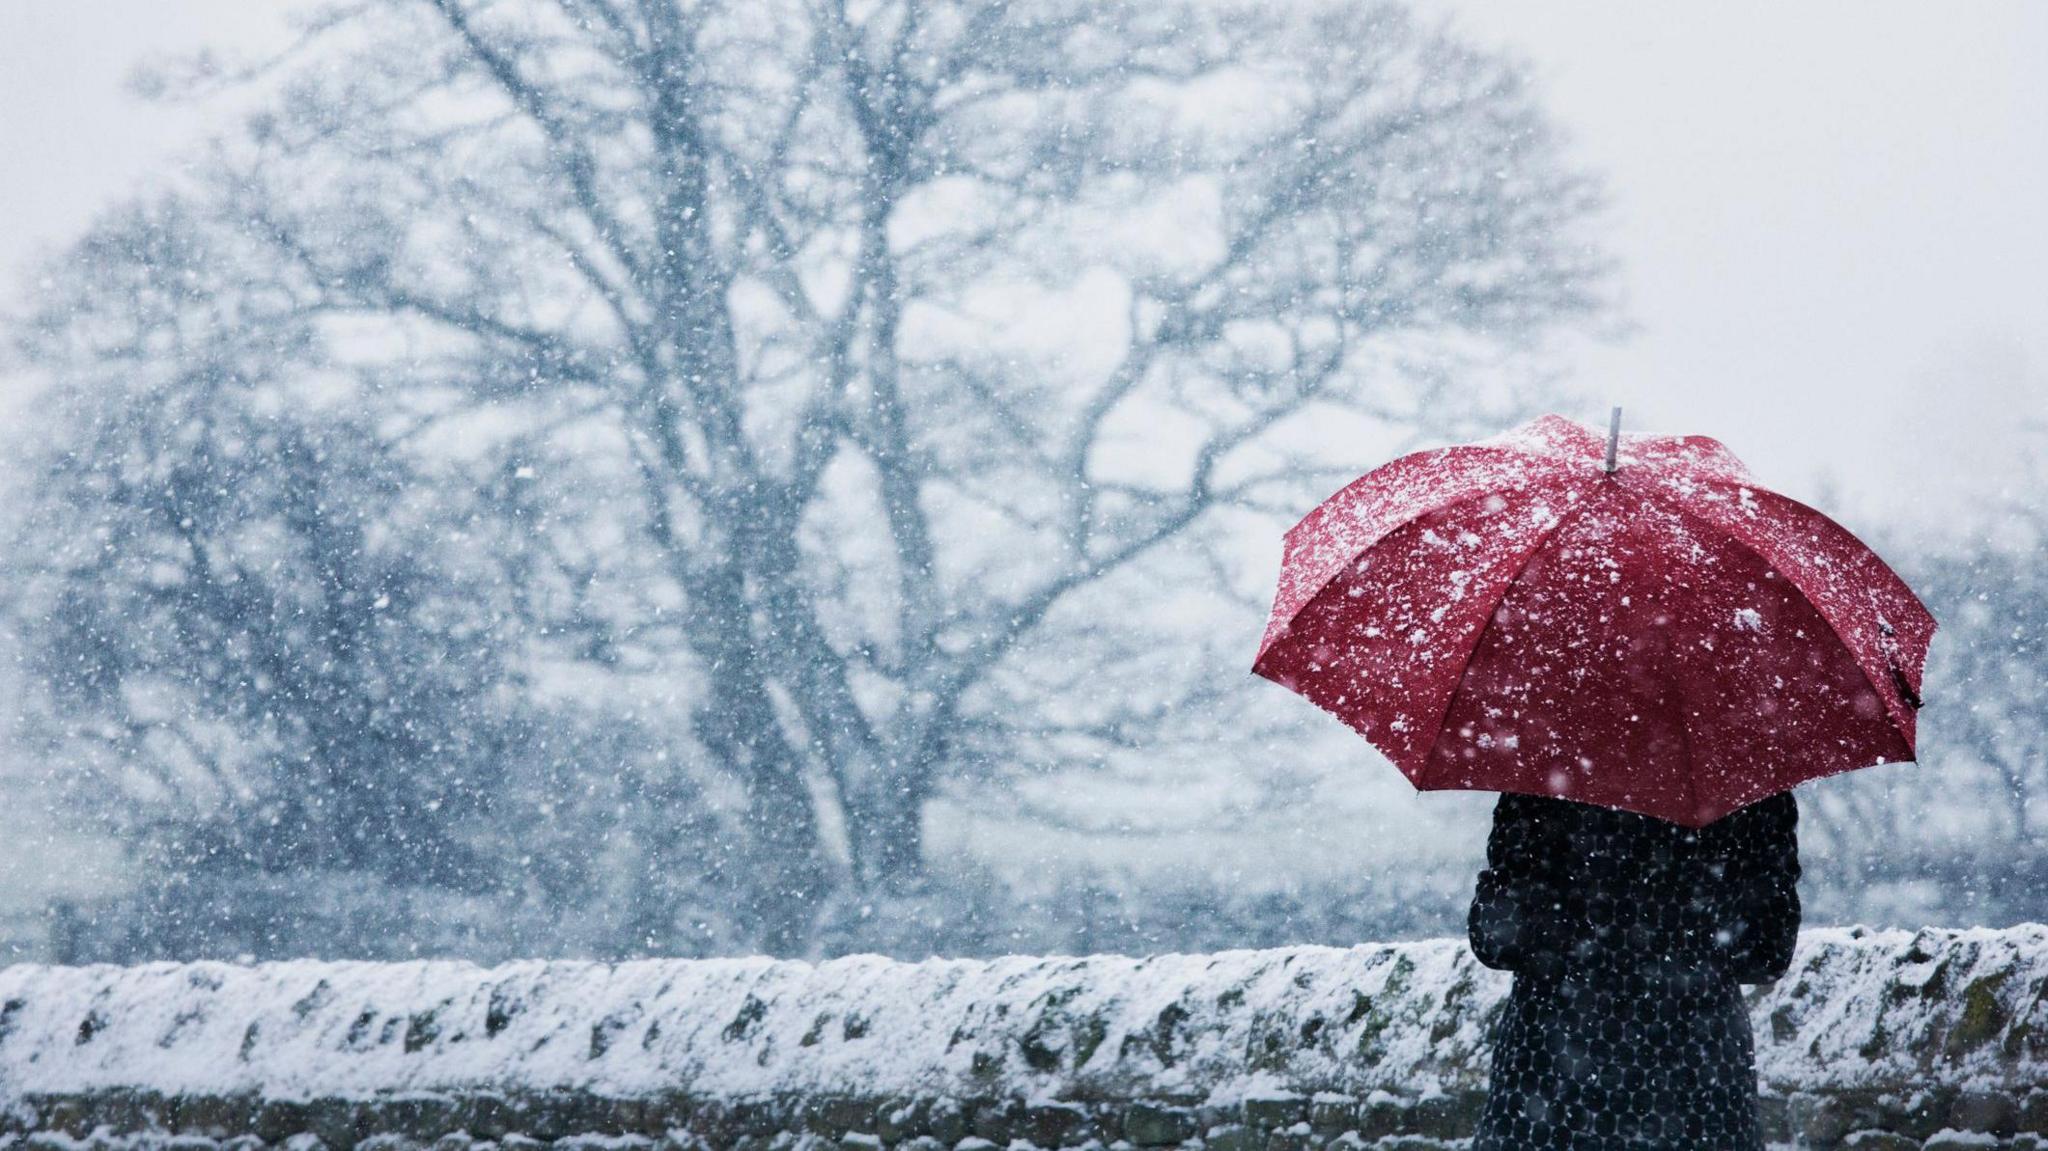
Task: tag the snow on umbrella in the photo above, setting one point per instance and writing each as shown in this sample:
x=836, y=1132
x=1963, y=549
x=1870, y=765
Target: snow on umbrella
x=1647, y=629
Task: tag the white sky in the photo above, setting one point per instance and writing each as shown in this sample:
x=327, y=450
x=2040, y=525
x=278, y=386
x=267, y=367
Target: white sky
x=1828, y=214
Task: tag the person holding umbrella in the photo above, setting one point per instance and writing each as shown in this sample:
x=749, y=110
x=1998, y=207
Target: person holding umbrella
x=1644, y=651
x=1628, y=936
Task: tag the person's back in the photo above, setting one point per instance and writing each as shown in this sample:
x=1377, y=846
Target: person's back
x=1628, y=937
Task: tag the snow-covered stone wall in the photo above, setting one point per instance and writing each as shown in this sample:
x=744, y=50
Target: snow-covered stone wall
x=1874, y=1040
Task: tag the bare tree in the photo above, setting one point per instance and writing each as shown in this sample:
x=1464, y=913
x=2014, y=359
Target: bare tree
x=735, y=287
x=233, y=606
x=1962, y=824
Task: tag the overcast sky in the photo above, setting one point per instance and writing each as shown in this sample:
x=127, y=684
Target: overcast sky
x=1830, y=217
x=1828, y=214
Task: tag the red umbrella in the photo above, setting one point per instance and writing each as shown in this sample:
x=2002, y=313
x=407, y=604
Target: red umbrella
x=1648, y=630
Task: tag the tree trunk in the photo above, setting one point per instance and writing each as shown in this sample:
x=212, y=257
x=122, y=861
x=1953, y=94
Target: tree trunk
x=783, y=868
x=787, y=879
x=885, y=827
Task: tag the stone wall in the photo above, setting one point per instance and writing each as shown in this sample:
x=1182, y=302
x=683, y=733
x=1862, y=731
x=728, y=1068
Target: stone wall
x=1873, y=1040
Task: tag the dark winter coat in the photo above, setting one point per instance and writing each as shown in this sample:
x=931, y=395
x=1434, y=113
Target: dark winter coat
x=1628, y=937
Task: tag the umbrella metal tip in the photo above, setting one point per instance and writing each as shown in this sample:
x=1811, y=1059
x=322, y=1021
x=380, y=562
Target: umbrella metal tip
x=1613, y=438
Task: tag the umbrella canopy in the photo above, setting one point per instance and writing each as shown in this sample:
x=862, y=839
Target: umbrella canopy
x=1667, y=637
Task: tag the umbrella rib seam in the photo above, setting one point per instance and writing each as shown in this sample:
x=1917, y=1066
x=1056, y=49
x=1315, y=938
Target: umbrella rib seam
x=1891, y=715
x=1882, y=694
x=1287, y=536
x=1451, y=697
x=1327, y=584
